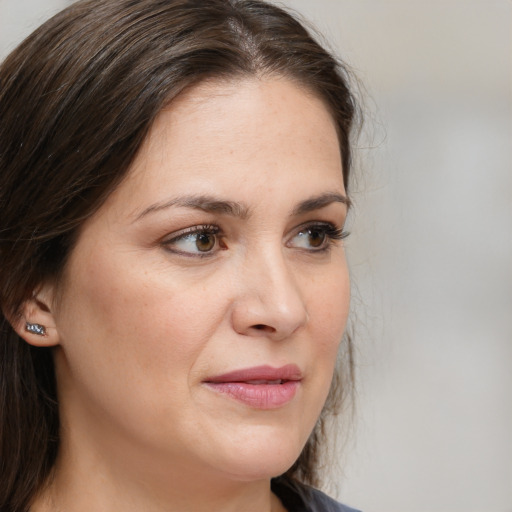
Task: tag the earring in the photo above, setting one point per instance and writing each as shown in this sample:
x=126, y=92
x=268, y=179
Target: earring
x=38, y=329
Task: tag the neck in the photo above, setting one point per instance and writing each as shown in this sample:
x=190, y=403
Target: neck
x=131, y=498
x=76, y=492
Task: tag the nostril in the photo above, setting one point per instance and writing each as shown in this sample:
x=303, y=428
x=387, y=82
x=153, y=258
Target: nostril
x=263, y=327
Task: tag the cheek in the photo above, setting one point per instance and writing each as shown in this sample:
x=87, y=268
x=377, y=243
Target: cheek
x=328, y=305
x=139, y=313
x=130, y=333
x=328, y=308
x=328, y=317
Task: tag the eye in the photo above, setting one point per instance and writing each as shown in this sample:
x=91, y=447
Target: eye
x=195, y=241
x=316, y=237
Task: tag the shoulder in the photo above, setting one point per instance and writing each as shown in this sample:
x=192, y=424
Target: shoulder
x=320, y=502
x=297, y=497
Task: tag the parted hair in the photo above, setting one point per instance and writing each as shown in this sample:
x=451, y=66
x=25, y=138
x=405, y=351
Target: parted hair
x=77, y=99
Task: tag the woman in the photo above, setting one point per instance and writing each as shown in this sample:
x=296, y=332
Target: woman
x=173, y=282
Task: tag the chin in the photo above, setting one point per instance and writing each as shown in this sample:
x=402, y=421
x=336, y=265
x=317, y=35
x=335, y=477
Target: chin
x=263, y=457
x=260, y=470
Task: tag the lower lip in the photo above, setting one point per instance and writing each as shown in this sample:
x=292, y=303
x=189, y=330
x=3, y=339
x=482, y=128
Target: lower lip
x=258, y=396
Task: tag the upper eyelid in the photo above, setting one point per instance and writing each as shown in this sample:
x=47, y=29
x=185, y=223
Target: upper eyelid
x=314, y=223
x=200, y=228
x=217, y=230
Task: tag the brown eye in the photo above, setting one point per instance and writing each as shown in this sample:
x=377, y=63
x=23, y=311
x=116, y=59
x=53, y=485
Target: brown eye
x=310, y=238
x=205, y=242
x=316, y=237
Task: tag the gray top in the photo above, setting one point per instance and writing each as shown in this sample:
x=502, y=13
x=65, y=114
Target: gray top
x=301, y=498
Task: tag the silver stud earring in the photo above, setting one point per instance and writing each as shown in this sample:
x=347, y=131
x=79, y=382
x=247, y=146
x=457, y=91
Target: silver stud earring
x=38, y=329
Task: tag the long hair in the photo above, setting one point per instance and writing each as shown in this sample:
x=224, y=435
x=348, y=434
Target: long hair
x=77, y=99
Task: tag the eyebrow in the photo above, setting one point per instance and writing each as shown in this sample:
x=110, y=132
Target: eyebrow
x=205, y=203
x=213, y=204
x=320, y=201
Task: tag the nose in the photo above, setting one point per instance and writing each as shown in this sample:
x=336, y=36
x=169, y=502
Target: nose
x=269, y=302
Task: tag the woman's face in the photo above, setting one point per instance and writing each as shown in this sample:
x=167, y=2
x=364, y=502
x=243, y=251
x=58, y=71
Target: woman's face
x=200, y=313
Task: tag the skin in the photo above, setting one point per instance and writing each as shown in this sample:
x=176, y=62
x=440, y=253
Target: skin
x=139, y=320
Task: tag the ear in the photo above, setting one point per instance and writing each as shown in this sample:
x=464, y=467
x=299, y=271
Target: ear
x=35, y=322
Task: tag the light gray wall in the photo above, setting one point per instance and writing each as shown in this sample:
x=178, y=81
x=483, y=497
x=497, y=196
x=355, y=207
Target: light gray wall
x=19, y=17
x=431, y=253
x=430, y=250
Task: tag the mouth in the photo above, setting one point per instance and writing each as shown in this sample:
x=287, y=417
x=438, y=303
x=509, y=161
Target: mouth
x=261, y=387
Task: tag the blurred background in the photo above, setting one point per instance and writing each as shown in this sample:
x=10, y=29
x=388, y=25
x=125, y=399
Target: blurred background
x=430, y=250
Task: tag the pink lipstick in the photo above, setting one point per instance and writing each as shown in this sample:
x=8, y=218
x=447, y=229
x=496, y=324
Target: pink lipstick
x=261, y=387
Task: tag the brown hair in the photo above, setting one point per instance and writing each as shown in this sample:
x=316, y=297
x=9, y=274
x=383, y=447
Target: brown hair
x=77, y=99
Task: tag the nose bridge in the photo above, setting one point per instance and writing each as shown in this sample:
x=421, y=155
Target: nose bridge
x=270, y=298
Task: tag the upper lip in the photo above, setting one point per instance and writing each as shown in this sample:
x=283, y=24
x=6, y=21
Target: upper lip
x=259, y=373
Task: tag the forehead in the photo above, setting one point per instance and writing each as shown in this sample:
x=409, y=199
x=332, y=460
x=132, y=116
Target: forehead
x=265, y=133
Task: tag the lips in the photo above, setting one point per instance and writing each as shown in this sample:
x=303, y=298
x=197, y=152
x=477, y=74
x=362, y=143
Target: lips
x=260, y=374
x=261, y=387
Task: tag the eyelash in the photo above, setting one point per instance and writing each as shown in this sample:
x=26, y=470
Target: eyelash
x=331, y=232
